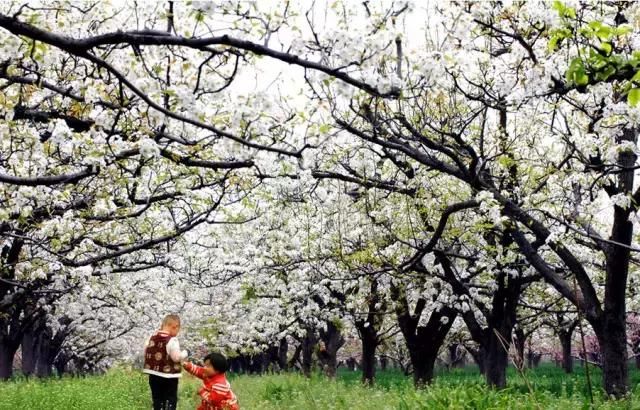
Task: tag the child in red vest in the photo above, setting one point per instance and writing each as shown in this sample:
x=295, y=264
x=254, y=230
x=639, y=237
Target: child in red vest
x=162, y=357
x=216, y=391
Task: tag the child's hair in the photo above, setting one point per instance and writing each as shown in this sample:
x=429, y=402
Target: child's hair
x=218, y=361
x=170, y=319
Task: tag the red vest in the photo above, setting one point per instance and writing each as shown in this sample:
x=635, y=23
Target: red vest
x=156, y=358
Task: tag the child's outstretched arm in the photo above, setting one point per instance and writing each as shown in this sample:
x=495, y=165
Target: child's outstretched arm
x=173, y=349
x=199, y=372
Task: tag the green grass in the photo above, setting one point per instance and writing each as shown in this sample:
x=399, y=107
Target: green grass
x=458, y=389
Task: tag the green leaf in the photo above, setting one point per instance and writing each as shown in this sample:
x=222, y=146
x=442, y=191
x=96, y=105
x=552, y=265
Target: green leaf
x=604, y=32
x=606, y=47
x=581, y=78
x=506, y=161
x=324, y=128
x=623, y=29
x=553, y=42
x=576, y=73
x=563, y=10
x=633, y=98
x=603, y=75
x=595, y=25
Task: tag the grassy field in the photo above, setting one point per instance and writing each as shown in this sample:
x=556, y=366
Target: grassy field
x=459, y=389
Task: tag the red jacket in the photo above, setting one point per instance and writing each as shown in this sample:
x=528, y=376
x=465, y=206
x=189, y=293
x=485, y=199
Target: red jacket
x=216, y=391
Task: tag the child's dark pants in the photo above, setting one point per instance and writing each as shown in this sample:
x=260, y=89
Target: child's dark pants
x=164, y=392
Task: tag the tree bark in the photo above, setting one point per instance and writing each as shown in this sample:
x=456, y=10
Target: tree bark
x=352, y=364
x=384, y=363
x=423, y=366
x=7, y=353
x=613, y=347
x=565, y=342
x=295, y=357
x=495, y=339
x=30, y=343
x=44, y=364
x=498, y=335
x=423, y=373
x=613, y=335
x=28, y=348
x=332, y=340
x=531, y=359
x=423, y=342
x=283, y=348
x=369, y=345
x=60, y=363
x=520, y=342
x=368, y=328
x=456, y=355
x=496, y=360
x=11, y=318
x=308, y=344
x=478, y=357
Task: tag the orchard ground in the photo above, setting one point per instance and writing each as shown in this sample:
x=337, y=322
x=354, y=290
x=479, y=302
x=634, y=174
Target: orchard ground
x=545, y=387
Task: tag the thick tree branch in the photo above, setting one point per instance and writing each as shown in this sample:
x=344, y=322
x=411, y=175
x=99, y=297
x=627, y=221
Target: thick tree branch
x=49, y=180
x=138, y=38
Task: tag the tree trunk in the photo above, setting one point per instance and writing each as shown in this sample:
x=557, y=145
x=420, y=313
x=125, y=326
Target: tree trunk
x=11, y=317
x=478, y=357
x=423, y=363
x=283, y=348
x=496, y=360
x=60, y=363
x=330, y=363
x=456, y=356
x=498, y=336
x=295, y=357
x=332, y=340
x=384, y=362
x=273, y=358
x=425, y=343
x=493, y=353
x=352, y=364
x=635, y=347
x=308, y=344
x=613, y=347
x=44, y=367
x=612, y=335
x=369, y=345
x=567, y=358
x=7, y=353
x=422, y=341
x=260, y=363
x=520, y=342
x=28, y=348
x=44, y=364
x=368, y=330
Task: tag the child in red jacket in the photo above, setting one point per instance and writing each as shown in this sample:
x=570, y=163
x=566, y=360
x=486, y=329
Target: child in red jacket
x=216, y=391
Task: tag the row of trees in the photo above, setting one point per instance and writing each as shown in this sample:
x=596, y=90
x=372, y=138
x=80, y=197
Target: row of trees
x=405, y=170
